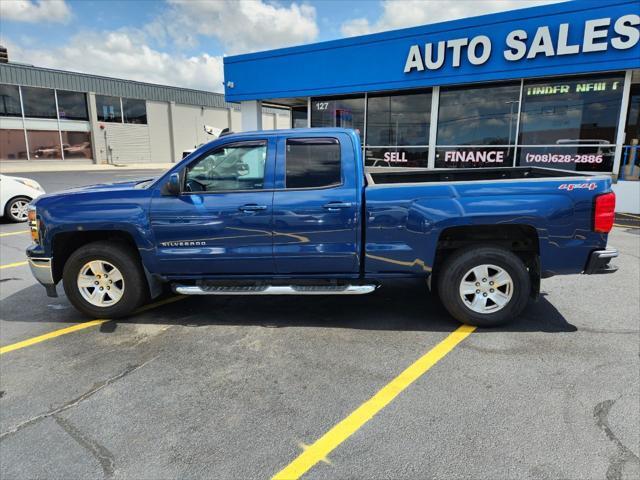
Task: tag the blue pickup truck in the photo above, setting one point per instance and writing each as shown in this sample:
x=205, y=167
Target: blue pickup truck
x=293, y=212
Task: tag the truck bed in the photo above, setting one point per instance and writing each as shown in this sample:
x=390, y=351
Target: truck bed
x=378, y=177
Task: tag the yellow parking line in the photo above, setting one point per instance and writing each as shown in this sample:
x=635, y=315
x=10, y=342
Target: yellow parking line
x=365, y=412
x=80, y=326
x=21, y=232
x=11, y=265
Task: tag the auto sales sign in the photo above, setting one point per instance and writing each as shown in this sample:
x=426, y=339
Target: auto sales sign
x=595, y=35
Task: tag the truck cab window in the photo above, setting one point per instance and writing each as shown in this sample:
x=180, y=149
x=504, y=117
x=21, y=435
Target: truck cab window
x=234, y=167
x=313, y=163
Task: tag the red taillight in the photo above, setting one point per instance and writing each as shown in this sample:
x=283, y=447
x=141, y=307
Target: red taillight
x=604, y=212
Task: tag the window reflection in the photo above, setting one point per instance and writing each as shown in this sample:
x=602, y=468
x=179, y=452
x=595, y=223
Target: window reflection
x=134, y=111
x=10, y=101
x=299, y=117
x=12, y=145
x=313, y=163
x=44, y=144
x=400, y=119
x=72, y=105
x=478, y=115
x=108, y=109
x=39, y=102
x=76, y=145
x=345, y=112
x=571, y=111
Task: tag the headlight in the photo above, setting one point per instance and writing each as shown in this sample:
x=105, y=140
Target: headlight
x=30, y=184
x=34, y=225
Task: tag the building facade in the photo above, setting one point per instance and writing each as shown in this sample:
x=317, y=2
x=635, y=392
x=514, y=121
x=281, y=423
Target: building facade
x=52, y=115
x=555, y=86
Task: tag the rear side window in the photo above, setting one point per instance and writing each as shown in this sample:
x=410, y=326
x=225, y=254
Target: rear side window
x=312, y=163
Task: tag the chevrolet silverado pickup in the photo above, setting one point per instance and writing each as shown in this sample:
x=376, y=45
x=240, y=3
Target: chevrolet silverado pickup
x=294, y=212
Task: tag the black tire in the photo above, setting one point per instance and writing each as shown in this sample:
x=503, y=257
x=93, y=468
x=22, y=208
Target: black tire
x=450, y=277
x=136, y=290
x=10, y=204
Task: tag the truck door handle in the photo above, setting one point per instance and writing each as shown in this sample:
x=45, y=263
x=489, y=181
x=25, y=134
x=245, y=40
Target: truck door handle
x=252, y=207
x=337, y=206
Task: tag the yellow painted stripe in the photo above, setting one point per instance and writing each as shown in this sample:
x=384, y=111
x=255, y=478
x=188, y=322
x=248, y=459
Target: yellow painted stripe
x=49, y=336
x=8, y=234
x=11, y=265
x=365, y=412
x=629, y=215
x=80, y=326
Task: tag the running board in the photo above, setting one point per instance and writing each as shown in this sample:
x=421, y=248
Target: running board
x=275, y=290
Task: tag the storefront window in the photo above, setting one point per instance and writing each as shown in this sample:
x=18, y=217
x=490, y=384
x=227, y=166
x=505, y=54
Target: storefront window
x=571, y=110
x=399, y=119
x=44, y=144
x=39, y=102
x=478, y=115
x=630, y=159
x=135, y=111
x=108, y=109
x=477, y=126
x=299, y=117
x=76, y=145
x=345, y=112
x=570, y=123
x=10, y=101
x=72, y=105
x=12, y=146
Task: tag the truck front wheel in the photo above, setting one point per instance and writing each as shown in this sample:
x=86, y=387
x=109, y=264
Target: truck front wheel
x=484, y=285
x=104, y=280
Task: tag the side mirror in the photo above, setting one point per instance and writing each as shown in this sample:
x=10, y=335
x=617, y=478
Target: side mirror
x=213, y=131
x=173, y=185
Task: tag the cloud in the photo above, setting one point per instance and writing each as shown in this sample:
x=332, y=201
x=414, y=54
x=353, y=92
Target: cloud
x=409, y=13
x=123, y=54
x=139, y=53
x=239, y=25
x=32, y=11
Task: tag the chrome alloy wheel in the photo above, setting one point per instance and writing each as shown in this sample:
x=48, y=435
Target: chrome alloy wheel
x=100, y=283
x=486, y=288
x=19, y=210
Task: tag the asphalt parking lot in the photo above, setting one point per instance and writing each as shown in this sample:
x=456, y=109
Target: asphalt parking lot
x=240, y=387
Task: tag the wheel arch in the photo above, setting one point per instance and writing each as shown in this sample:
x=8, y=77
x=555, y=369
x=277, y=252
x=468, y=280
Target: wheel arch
x=521, y=239
x=63, y=244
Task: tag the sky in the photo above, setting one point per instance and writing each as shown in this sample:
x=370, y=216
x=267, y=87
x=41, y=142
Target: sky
x=182, y=42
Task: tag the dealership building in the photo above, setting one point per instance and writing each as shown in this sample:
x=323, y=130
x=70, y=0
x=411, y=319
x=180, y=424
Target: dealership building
x=553, y=86
x=57, y=116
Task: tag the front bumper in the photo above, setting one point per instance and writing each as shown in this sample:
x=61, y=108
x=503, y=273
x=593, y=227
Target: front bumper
x=599, y=262
x=42, y=269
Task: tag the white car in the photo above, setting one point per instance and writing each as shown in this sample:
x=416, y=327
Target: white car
x=15, y=195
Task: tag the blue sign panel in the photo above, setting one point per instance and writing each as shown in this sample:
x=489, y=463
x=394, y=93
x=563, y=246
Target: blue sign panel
x=573, y=37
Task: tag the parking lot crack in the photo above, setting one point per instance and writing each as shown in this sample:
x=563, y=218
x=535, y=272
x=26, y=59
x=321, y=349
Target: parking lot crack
x=104, y=456
x=76, y=401
x=624, y=455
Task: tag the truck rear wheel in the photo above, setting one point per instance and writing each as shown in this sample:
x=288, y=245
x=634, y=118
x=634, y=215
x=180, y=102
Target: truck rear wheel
x=484, y=286
x=104, y=280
